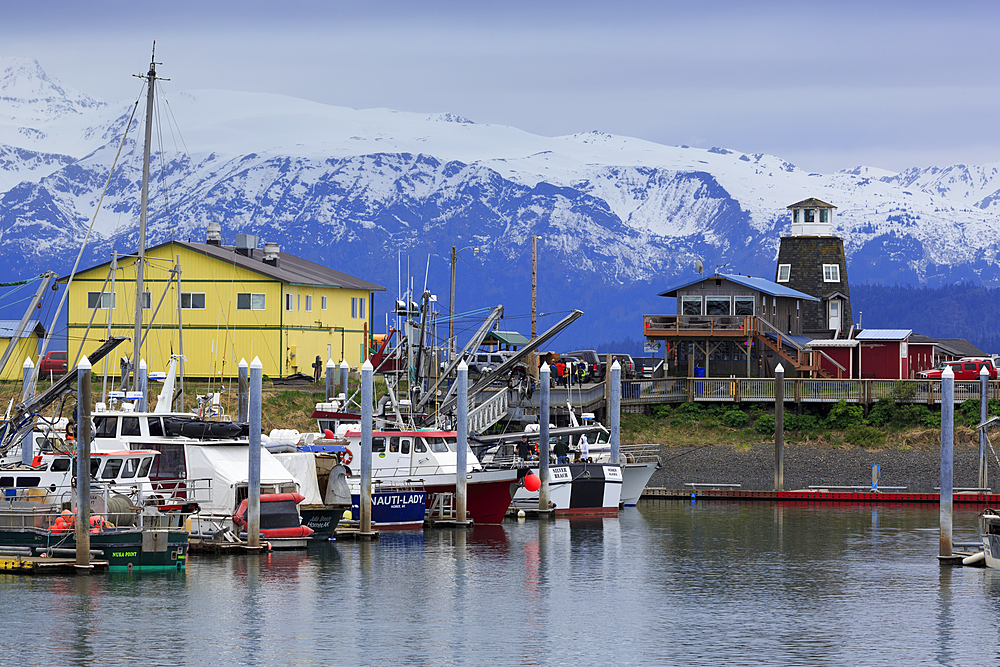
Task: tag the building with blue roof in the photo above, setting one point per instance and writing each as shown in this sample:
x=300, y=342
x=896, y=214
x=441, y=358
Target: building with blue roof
x=731, y=324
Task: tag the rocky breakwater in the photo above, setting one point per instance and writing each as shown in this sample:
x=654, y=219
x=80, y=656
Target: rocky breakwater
x=805, y=465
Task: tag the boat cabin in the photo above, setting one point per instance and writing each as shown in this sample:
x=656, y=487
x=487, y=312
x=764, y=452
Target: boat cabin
x=409, y=452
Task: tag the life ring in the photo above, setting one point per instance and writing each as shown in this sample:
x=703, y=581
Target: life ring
x=347, y=457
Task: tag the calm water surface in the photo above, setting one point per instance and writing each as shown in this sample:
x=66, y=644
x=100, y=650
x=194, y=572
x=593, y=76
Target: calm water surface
x=666, y=583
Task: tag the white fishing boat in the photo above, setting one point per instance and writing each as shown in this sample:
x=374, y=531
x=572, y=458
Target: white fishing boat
x=134, y=524
x=578, y=489
x=429, y=458
x=991, y=537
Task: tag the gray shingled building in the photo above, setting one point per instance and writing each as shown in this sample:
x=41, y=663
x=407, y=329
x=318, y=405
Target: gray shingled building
x=812, y=260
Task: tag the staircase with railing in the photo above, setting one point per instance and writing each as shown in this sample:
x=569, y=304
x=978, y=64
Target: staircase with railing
x=784, y=346
x=492, y=410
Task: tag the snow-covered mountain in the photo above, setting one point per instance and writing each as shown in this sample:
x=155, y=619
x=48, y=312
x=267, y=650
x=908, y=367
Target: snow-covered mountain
x=368, y=191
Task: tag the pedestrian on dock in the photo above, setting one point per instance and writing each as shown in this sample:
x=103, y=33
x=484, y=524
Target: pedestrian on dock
x=561, y=451
x=523, y=450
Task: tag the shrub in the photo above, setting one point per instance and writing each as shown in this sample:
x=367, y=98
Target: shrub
x=883, y=412
x=801, y=423
x=843, y=415
x=916, y=415
x=661, y=411
x=735, y=419
x=764, y=425
x=903, y=391
x=863, y=435
x=688, y=409
x=967, y=413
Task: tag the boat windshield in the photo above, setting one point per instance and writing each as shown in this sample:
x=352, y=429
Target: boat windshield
x=105, y=427
x=437, y=445
x=111, y=469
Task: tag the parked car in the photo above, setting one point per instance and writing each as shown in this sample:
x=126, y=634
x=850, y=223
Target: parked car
x=646, y=367
x=54, y=363
x=595, y=364
x=964, y=370
x=484, y=362
x=627, y=364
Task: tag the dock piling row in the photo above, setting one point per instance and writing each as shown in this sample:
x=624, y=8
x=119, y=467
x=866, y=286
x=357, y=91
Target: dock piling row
x=462, y=432
x=544, y=373
x=947, y=458
x=83, y=464
x=253, y=499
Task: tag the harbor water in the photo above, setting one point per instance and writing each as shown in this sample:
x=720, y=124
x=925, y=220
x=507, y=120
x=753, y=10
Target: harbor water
x=665, y=583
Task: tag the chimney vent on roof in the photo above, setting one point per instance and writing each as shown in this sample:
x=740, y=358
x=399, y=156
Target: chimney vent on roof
x=214, y=234
x=245, y=244
x=271, y=253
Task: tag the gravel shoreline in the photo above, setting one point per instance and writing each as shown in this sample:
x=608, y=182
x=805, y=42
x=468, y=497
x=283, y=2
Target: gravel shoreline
x=804, y=465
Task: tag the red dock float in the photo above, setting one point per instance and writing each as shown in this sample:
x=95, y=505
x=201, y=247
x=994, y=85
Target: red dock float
x=820, y=496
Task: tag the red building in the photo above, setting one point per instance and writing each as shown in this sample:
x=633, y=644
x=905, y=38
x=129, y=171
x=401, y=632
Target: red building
x=872, y=354
x=837, y=356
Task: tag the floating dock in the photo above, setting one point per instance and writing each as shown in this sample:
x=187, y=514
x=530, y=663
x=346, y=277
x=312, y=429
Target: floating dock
x=820, y=495
x=42, y=565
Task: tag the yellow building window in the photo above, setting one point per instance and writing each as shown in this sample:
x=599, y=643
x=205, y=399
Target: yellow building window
x=250, y=301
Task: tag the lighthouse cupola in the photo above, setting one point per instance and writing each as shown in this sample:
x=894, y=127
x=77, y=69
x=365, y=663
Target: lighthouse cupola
x=812, y=217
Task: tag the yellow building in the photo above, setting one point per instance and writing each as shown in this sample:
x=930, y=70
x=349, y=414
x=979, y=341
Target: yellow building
x=224, y=304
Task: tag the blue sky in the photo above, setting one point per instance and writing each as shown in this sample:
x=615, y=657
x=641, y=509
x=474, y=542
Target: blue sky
x=826, y=86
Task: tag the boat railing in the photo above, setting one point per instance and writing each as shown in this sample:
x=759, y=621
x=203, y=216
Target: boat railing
x=417, y=471
x=55, y=513
x=403, y=486
x=641, y=453
x=168, y=492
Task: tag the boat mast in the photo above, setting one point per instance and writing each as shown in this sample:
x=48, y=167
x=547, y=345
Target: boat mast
x=140, y=264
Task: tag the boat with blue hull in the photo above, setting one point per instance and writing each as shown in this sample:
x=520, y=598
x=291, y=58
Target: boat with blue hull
x=394, y=507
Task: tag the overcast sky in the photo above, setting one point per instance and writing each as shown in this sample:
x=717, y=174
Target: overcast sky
x=825, y=86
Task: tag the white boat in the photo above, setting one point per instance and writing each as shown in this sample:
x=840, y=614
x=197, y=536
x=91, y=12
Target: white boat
x=578, y=489
x=428, y=457
x=991, y=537
x=127, y=514
x=214, y=466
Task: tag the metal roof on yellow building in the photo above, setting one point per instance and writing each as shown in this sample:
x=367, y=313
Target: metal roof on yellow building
x=290, y=269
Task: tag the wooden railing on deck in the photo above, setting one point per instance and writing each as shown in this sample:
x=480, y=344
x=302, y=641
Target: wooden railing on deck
x=797, y=390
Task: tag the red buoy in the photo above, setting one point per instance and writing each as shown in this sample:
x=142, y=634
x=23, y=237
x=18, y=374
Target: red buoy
x=531, y=482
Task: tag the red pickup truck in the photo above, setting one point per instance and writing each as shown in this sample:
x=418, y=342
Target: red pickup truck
x=53, y=362
x=964, y=369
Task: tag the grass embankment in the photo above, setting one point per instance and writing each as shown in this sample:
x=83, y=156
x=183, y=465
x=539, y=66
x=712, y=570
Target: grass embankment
x=281, y=407
x=889, y=425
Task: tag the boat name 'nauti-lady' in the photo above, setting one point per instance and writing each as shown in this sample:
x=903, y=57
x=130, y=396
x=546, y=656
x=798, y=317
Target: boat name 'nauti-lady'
x=397, y=500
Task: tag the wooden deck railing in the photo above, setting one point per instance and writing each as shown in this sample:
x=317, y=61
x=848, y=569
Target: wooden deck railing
x=712, y=325
x=797, y=390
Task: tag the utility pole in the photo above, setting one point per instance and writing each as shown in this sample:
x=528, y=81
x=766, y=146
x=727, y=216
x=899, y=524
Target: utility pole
x=451, y=308
x=533, y=367
x=534, y=286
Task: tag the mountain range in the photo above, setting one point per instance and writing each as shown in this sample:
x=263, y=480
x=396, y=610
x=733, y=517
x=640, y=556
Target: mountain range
x=385, y=194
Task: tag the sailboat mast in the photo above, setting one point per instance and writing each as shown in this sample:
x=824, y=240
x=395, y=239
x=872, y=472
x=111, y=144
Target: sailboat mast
x=140, y=263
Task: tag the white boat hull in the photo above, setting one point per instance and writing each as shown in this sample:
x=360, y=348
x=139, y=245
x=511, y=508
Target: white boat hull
x=635, y=477
x=578, y=489
x=991, y=538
